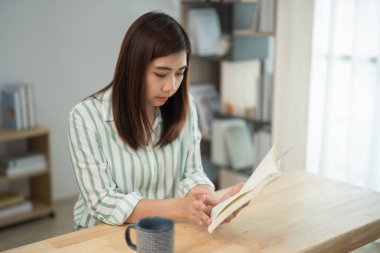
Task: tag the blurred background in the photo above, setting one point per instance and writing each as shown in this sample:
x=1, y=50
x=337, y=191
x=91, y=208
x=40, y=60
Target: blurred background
x=304, y=73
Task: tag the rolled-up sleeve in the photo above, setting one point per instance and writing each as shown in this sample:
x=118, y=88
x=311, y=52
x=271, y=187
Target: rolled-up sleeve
x=103, y=199
x=194, y=174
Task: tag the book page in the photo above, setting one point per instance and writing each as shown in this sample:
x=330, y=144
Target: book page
x=265, y=173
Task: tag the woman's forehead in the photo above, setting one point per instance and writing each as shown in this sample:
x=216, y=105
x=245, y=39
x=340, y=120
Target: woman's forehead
x=171, y=62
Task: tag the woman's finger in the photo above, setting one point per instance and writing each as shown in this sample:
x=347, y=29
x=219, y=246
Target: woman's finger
x=199, y=205
x=196, y=191
x=198, y=210
x=235, y=189
x=201, y=217
x=228, y=219
x=204, y=217
x=195, y=219
x=211, y=201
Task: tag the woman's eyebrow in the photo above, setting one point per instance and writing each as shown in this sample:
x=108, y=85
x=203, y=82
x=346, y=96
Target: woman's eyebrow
x=167, y=68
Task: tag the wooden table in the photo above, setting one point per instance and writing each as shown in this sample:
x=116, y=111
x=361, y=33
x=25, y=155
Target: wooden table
x=299, y=212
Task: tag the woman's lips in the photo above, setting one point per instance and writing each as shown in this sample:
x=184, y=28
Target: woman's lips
x=163, y=99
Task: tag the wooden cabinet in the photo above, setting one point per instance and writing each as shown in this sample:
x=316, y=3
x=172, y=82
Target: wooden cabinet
x=39, y=183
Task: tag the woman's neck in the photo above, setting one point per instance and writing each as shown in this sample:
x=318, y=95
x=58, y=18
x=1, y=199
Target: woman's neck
x=151, y=114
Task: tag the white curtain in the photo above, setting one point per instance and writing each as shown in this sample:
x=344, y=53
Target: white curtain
x=344, y=109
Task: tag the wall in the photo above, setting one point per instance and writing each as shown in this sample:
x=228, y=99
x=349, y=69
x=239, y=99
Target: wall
x=67, y=49
x=292, y=75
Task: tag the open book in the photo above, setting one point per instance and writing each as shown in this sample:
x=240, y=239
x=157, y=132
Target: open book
x=265, y=173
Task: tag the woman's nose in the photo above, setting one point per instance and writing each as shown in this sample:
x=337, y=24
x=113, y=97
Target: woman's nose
x=170, y=84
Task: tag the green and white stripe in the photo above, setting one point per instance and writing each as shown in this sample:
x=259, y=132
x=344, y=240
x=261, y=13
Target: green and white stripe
x=112, y=177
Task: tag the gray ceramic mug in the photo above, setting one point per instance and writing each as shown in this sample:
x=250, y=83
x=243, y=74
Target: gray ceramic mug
x=154, y=234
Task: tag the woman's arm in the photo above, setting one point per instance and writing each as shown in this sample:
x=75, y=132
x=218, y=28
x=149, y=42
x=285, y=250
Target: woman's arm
x=103, y=200
x=190, y=207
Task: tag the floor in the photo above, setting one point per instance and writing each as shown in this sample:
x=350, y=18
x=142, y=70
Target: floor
x=44, y=228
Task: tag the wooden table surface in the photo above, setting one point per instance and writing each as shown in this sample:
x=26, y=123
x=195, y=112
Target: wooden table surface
x=299, y=212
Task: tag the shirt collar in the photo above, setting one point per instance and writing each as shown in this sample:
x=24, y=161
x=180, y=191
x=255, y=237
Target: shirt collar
x=157, y=120
x=107, y=105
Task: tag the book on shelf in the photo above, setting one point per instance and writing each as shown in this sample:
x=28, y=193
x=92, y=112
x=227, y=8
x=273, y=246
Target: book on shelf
x=267, y=16
x=22, y=164
x=204, y=30
x=11, y=108
x=265, y=173
x=31, y=106
x=17, y=209
x=206, y=101
x=10, y=198
x=18, y=106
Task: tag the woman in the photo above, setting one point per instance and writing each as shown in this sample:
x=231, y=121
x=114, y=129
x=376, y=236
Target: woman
x=134, y=144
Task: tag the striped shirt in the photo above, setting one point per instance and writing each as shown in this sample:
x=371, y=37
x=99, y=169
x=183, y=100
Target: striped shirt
x=112, y=177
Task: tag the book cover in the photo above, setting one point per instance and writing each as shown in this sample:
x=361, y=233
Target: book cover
x=10, y=198
x=11, y=108
x=267, y=16
x=23, y=105
x=265, y=173
x=31, y=104
x=204, y=30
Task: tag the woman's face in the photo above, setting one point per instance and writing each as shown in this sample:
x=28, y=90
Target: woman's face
x=163, y=78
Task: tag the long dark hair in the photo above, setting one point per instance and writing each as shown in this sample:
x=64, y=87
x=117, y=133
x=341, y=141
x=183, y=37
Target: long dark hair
x=151, y=36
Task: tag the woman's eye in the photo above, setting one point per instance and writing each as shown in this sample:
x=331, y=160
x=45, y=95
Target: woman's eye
x=179, y=74
x=160, y=75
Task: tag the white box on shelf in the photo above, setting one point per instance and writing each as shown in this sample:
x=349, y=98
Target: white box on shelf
x=223, y=156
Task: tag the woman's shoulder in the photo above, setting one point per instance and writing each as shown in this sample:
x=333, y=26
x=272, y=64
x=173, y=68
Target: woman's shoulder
x=90, y=106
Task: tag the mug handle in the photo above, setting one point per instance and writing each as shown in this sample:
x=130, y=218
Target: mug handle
x=128, y=237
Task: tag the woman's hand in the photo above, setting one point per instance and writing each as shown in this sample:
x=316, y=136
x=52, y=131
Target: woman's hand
x=211, y=199
x=195, y=205
x=200, y=200
x=235, y=189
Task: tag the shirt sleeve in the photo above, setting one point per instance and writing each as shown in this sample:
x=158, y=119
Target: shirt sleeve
x=194, y=174
x=103, y=199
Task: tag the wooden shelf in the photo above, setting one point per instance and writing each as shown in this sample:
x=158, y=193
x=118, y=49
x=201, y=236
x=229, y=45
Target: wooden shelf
x=11, y=135
x=39, y=209
x=207, y=2
x=252, y=33
x=39, y=182
x=258, y=124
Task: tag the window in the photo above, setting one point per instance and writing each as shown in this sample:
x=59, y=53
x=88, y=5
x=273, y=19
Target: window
x=344, y=109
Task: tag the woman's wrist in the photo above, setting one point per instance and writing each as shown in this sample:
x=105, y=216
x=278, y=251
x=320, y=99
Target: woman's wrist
x=180, y=208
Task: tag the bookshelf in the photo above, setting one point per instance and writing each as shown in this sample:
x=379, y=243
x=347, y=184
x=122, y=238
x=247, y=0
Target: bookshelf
x=39, y=183
x=248, y=41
